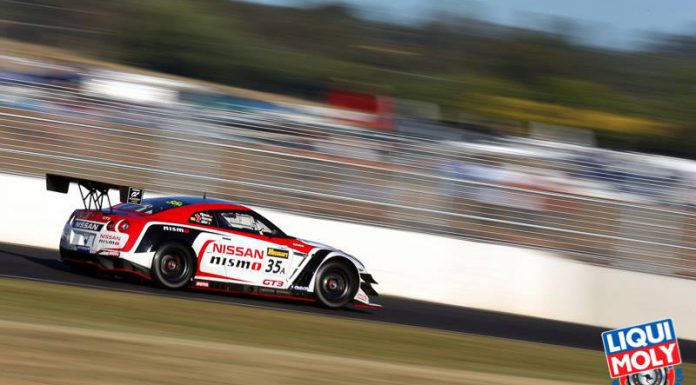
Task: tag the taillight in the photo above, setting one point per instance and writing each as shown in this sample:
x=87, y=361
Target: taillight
x=111, y=226
x=123, y=226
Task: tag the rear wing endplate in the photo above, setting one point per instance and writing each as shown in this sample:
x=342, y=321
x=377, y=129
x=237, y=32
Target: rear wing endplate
x=93, y=193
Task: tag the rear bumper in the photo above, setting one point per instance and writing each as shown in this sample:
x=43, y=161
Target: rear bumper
x=104, y=263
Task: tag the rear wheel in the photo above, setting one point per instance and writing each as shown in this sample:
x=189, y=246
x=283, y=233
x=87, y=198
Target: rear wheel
x=173, y=266
x=336, y=284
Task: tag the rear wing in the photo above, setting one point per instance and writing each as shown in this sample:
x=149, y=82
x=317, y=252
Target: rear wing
x=93, y=193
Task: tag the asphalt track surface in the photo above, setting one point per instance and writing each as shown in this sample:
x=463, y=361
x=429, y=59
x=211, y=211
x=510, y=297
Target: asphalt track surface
x=43, y=265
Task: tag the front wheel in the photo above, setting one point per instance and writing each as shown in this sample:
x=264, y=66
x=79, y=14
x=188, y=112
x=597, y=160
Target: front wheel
x=336, y=284
x=173, y=266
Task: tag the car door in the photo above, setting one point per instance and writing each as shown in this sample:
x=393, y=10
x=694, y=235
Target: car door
x=249, y=253
x=210, y=247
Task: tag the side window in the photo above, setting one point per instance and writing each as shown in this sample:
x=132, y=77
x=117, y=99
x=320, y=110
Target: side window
x=203, y=218
x=243, y=221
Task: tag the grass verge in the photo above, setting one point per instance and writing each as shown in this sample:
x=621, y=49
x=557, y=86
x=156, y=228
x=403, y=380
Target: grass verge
x=54, y=334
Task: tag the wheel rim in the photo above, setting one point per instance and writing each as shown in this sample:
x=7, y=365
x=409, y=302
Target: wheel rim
x=334, y=285
x=174, y=267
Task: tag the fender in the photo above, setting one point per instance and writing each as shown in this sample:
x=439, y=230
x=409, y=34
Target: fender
x=337, y=253
x=308, y=275
x=359, y=267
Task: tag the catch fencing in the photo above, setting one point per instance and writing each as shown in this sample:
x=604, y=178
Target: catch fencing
x=278, y=159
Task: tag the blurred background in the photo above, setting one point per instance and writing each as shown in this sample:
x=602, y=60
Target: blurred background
x=562, y=128
x=543, y=125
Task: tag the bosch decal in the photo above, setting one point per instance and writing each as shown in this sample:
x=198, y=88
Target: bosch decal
x=643, y=354
x=299, y=288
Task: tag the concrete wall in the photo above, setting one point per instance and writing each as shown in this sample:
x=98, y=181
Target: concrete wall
x=427, y=267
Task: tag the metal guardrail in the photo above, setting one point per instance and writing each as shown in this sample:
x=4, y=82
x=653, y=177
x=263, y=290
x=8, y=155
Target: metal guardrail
x=271, y=159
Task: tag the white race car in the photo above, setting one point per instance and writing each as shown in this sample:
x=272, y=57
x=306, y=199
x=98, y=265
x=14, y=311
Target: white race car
x=205, y=244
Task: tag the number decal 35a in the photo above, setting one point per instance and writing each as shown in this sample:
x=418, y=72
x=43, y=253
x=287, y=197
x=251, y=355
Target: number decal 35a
x=275, y=266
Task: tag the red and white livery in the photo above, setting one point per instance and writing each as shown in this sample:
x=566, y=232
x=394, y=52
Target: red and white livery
x=208, y=244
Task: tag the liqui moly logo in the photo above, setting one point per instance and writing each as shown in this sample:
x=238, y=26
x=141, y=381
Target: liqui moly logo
x=641, y=349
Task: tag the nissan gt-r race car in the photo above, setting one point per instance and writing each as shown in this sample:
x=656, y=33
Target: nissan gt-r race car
x=203, y=243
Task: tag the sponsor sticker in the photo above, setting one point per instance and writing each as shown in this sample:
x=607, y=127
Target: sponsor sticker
x=277, y=253
x=92, y=226
x=299, y=288
x=135, y=195
x=237, y=257
x=174, y=203
x=175, y=229
x=643, y=354
x=239, y=251
x=201, y=218
x=272, y=282
x=236, y=263
x=111, y=239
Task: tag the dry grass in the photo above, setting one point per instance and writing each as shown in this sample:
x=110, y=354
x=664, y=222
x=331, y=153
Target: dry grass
x=53, y=334
x=42, y=354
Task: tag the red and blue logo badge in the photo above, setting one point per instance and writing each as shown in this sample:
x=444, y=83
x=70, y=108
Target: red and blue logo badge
x=643, y=354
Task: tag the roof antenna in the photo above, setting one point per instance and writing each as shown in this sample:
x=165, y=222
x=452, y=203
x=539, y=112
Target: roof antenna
x=204, y=193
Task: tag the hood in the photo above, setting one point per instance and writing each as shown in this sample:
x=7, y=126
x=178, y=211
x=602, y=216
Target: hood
x=318, y=244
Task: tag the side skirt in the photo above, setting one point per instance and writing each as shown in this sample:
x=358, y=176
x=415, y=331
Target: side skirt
x=258, y=291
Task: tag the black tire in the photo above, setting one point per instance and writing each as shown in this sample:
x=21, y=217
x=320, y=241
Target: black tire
x=336, y=284
x=173, y=265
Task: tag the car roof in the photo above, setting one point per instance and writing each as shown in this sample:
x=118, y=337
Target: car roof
x=191, y=201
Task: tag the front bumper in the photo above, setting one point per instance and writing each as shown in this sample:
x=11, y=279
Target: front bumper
x=363, y=299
